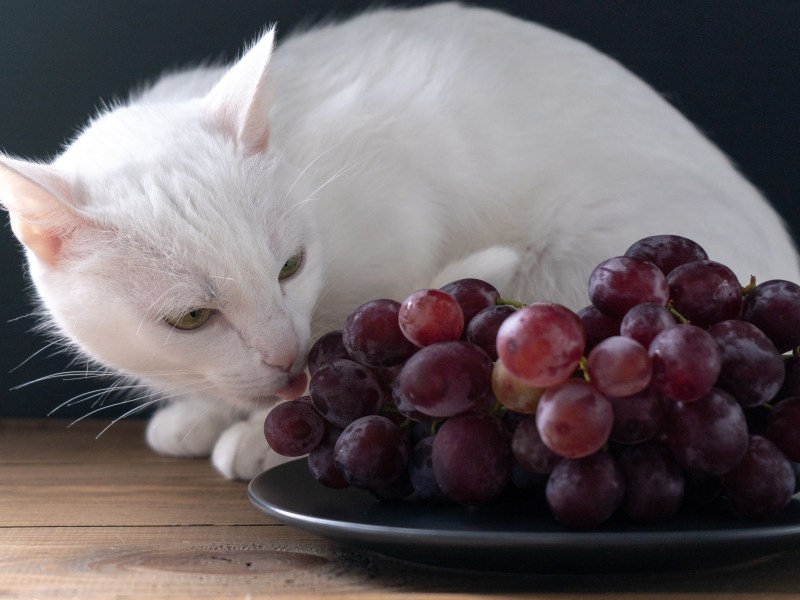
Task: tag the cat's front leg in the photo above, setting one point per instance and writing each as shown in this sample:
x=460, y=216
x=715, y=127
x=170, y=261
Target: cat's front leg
x=242, y=452
x=189, y=427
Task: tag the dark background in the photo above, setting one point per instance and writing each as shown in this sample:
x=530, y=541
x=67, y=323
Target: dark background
x=731, y=66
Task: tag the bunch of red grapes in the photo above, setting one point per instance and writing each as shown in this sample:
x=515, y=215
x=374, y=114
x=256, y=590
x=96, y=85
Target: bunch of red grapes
x=675, y=386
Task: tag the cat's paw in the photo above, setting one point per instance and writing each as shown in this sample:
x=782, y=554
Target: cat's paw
x=496, y=265
x=242, y=452
x=189, y=427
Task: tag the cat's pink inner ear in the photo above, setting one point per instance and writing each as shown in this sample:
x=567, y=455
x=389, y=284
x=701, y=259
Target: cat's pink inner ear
x=240, y=102
x=37, y=213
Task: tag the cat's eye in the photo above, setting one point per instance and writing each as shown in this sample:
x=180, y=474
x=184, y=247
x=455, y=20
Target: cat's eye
x=192, y=319
x=291, y=266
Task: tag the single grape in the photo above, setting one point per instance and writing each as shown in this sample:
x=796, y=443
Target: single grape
x=774, y=307
x=667, y=251
x=420, y=471
x=686, y=362
x=583, y=493
x=574, y=419
x=326, y=349
x=598, y=326
x=762, y=483
x=472, y=458
x=637, y=418
x=445, y=379
x=430, y=316
x=654, y=483
x=619, y=366
x=371, y=452
x=482, y=329
x=618, y=284
x=752, y=370
x=343, y=390
x=709, y=435
x=294, y=428
x=530, y=451
x=473, y=295
x=512, y=392
x=320, y=461
x=542, y=343
x=783, y=427
x=645, y=321
x=372, y=336
x=705, y=292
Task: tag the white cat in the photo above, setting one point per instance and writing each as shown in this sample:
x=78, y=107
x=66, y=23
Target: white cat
x=255, y=206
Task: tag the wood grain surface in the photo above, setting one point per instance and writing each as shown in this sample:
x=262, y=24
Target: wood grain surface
x=105, y=518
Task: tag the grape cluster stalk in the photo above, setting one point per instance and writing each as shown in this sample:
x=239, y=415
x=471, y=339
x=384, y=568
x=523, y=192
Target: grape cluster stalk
x=675, y=387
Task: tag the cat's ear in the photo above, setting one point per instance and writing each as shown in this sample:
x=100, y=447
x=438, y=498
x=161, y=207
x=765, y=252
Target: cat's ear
x=36, y=199
x=240, y=102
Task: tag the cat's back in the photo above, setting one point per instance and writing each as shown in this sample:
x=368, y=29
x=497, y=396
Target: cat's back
x=445, y=60
x=455, y=128
x=462, y=77
x=577, y=156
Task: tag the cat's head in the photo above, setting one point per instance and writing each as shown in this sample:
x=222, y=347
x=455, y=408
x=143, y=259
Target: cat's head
x=170, y=242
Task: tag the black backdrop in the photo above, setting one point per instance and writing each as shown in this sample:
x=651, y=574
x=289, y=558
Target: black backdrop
x=731, y=66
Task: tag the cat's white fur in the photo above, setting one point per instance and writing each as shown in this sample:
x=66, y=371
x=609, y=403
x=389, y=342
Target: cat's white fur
x=400, y=149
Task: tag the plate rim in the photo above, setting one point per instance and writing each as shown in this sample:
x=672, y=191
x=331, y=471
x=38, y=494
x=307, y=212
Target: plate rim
x=398, y=534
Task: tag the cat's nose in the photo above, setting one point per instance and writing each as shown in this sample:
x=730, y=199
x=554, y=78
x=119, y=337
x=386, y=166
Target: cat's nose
x=283, y=356
x=281, y=360
x=281, y=351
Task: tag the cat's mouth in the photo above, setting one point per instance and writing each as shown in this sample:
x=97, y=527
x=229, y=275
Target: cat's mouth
x=294, y=388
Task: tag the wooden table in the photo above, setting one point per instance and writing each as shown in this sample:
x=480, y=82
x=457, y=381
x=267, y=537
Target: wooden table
x=105, y=518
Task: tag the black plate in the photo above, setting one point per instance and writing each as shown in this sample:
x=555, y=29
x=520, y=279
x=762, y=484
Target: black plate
x=512, y=535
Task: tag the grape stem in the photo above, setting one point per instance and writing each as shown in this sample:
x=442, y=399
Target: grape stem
x=498, y=410
x=436, y=424
x=507, y=302
x=678, y=316
x=746, y=289
x=389, y=409
x=584, y=371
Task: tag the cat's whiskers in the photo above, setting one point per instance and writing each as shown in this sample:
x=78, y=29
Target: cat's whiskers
x=196, y=422
x=169, y=335
x=154, y=310
x=312, y=195
x=148, y=398
x=85, y=374
x=36, y=313
x=64, y=376
x=145, y=405
x=127, y=414
x=35, y=354
x=158, y=310
x=100, y=394
x=323, y=313
x=308, y=166
x=88, y=366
